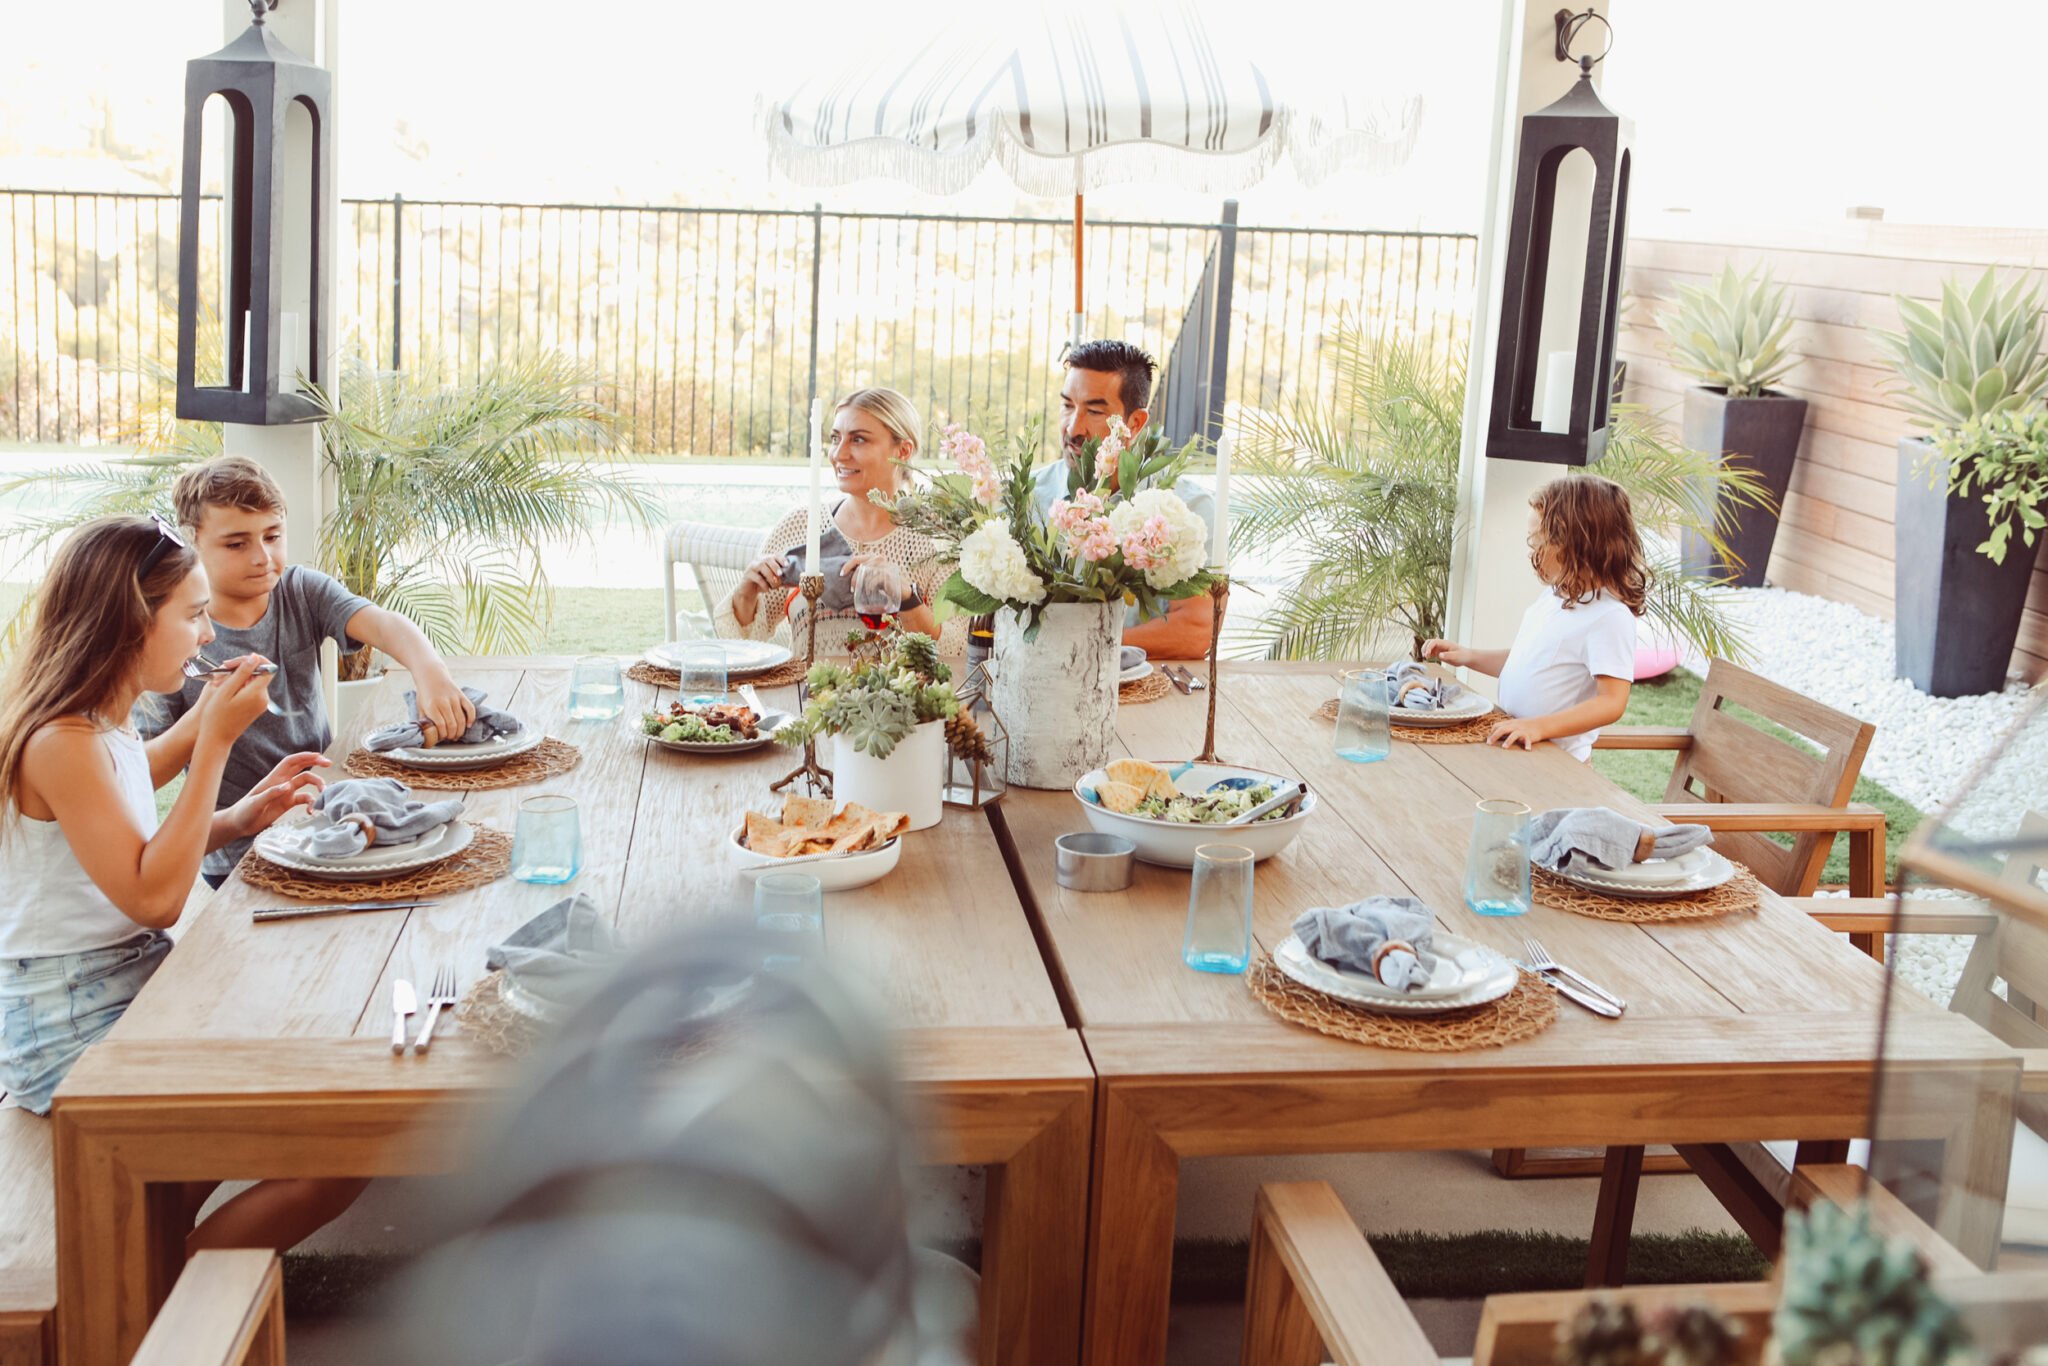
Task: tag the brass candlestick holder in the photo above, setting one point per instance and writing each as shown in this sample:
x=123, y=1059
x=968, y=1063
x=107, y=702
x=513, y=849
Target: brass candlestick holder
x=1219, y=595
x=817, y=779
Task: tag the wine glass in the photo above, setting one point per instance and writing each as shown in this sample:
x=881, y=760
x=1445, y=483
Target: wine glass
x=877, y=593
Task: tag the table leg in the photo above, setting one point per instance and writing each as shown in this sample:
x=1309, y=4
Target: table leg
x=1976, y=1165
x=1130, y=1238
x=1614, y=1216
x=1034, y=1228
x=118, y=1246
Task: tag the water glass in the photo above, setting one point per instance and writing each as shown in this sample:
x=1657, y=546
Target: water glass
x=1363, y=733
x=702, y=666
x=1219, y=934
x=596, y=692
x=791, y=907
x=1497, y=870
x=547, y=843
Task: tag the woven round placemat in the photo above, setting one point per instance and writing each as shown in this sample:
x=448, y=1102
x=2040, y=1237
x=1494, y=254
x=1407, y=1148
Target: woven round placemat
x=1523, y=1013
x=1473, y=732
x=781, y=676
x=550, y=758
x=1150, y=688
x=488, y=858
x=1740, y=893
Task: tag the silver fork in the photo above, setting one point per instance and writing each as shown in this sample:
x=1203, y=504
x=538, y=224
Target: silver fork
x=443, y=994
x=1540, y=959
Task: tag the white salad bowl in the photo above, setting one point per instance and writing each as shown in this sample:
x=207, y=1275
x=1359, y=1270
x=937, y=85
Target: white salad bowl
x=1171, y=844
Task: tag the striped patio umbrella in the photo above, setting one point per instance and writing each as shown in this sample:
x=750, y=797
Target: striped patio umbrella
x=1072, y=97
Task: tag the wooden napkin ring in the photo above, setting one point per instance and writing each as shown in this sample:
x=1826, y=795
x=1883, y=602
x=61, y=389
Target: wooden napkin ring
x=430, y=734
x=366, y=825
x=1645, y=842
x=1391, y=946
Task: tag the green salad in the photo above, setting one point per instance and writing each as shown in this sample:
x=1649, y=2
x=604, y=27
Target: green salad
x=677, y=724
x=1210, y=808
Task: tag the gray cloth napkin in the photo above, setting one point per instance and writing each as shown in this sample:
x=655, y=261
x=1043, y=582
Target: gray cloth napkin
x=490, y=724
x=834, y=550
x=1435, y=692
x=389, y=804
x=556, y=960
x=1132, y=657
x=1348, y=936
x=1573, y=835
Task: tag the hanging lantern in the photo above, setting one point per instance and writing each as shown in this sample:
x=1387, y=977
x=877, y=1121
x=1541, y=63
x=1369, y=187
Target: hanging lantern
x=275, y=240
x=977, y=741
x=1552, y=386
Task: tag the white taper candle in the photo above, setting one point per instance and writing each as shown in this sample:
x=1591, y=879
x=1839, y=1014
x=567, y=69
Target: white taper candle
x=1222, y=547
x=813, y=531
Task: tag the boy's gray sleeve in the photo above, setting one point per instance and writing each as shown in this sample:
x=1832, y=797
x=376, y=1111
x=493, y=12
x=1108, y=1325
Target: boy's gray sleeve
x=330, y=605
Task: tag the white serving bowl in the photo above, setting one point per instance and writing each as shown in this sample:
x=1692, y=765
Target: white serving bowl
x=835, y=872
x=1171, y=844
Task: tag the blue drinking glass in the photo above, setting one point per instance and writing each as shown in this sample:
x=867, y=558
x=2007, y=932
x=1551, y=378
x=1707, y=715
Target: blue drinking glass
x=1497, y=869
x=596, y=692
x=547, y=842
x=700, y=666
x=1364, y=735
x=790, y=908
x=1219, y=933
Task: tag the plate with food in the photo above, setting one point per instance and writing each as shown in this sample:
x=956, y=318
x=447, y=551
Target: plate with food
x=719, y=728
x=1169, y=809
x=455, y=756
x=1467, y=974
x=843, y=847
x=742, y=657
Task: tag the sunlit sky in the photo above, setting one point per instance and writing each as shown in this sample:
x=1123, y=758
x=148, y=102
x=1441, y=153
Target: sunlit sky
x=1789, y=111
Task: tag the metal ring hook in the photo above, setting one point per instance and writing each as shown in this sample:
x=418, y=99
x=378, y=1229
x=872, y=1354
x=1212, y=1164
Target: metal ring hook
x=1568, y=26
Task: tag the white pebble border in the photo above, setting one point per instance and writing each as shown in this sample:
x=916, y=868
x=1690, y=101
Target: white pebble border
x=1926, y=748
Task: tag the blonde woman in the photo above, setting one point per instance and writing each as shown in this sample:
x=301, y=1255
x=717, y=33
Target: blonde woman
x=875, y=433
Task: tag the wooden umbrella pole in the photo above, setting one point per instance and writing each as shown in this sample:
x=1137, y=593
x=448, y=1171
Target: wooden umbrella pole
x=1080, y=236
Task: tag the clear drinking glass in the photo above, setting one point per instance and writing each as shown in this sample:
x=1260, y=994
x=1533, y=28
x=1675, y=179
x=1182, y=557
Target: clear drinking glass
x=1497, y=869
x=596, y=691
x=1363, y=734
x=702, y=666
x=791, y=907
x=1219, y=934
x=547, y=842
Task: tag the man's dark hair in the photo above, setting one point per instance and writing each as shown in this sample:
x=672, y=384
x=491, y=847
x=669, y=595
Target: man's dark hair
x=1118, y=358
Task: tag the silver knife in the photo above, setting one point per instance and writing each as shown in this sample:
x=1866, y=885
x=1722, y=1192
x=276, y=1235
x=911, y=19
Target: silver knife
x=263, y=913
x=403, y=1005
x=1573, y=993
x=1173, y=677
x=1590, y=985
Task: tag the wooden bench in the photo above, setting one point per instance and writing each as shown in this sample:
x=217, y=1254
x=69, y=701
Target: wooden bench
x=227, y=1309
x=28, y=1242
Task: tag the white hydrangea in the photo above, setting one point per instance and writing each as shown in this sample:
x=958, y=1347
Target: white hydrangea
x=1160, y=535
x=992, y=562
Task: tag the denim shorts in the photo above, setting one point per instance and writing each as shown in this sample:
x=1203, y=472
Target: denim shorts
x=56, y=1005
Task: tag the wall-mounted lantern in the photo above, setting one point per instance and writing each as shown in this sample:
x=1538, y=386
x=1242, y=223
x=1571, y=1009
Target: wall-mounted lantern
x=1553, y=384
x=265, y=88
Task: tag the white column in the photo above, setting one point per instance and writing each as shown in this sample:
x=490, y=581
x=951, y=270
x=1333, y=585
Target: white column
x=292, y=453
x=1491, y=580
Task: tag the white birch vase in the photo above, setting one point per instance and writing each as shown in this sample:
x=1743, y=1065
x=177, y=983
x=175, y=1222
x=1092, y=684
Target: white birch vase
x=910, y=780
x=1057, y=694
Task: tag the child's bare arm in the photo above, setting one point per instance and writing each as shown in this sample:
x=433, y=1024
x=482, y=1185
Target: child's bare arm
x=1465, y=656
x=441, y=700
x=1604, y=708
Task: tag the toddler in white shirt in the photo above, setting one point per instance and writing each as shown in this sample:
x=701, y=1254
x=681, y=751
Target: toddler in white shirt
x=1569, y=670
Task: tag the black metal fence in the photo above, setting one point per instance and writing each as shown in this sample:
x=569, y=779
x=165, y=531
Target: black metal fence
x=702, y=321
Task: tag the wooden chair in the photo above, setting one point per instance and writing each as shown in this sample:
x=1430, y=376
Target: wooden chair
x=715, y=557
x=28, y=1241
x=1744, y=783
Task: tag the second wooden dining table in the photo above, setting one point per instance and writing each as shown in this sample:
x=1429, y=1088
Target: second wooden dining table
x=1053, y=1036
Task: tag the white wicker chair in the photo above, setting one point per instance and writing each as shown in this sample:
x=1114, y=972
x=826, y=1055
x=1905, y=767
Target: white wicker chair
x=715, y=555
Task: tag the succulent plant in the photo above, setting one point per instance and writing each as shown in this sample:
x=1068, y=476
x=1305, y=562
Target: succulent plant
x=1980, y=353
x=1603, y=1333
x=1693, y=1335
x=878, y=700
x=1731, y=334
x=1854, y=1298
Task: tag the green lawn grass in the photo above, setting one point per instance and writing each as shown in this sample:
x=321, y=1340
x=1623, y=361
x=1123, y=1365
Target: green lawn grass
x=1669, y=701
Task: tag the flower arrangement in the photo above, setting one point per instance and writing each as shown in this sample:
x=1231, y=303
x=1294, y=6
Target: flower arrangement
x=1120, y=534
x=894, y=684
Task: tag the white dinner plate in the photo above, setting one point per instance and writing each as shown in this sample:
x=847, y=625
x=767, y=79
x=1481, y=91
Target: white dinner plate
x=742, y=657
x=285, y=841
x=459, y=834
x=1468, y=974
x=767, y=724
x=1469, y=707
x=1661, y=872
x=1143, y=670
x=460, y=758
x=1713, y=870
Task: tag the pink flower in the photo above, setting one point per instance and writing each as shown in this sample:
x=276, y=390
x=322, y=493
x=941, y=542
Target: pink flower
x=1095, y=540
x=1145, y=546
x=969, y=454
x=1072, y=515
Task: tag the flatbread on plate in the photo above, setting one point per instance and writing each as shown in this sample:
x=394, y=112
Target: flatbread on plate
x=814, y=812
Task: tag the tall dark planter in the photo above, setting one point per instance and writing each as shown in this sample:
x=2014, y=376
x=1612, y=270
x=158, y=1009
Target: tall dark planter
x=1764, y=433
x=1958, y=613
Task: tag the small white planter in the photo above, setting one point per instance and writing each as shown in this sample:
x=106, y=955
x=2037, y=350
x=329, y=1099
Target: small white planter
x=351, y=701
x=1057, y=693
x=909, y=780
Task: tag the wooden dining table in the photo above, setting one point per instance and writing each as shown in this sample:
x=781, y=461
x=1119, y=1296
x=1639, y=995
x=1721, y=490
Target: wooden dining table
x=1054, y=1036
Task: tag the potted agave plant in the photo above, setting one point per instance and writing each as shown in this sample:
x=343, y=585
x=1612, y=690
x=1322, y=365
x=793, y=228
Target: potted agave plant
x=1972, y=372
x=886, y=714
x=1730, y=336
x=1058, y=584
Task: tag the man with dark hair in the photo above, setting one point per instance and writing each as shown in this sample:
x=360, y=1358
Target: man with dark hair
x=1113, y=379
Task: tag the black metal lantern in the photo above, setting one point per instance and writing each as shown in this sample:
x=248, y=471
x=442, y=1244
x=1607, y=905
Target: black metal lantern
x=1576, y=122
x=259, y=80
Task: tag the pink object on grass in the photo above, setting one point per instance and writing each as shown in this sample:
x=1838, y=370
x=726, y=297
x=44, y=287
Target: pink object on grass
x=1654, y=661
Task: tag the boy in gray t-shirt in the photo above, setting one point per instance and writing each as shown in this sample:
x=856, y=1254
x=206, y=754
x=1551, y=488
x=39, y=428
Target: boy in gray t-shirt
x=234, y=513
